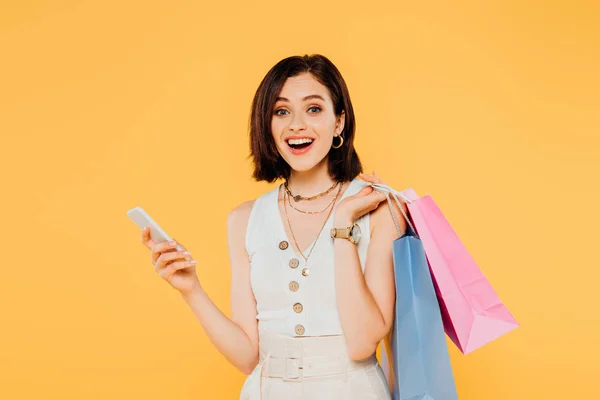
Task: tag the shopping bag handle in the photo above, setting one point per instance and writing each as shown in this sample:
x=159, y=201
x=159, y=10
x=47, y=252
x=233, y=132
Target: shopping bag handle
x=385, y=189
x=391, y=190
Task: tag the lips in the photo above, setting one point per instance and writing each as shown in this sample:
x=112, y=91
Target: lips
x=299, y=144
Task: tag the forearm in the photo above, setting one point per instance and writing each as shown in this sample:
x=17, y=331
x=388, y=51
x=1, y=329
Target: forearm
x=228, y=337
x=361, y=319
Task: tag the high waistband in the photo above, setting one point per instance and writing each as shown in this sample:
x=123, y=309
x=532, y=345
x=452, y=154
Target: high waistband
x=295, y=359
x=298, y=358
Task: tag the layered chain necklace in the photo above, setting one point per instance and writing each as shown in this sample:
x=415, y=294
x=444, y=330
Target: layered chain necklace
x=286, y=196
x=313, y=212
x=297, y=197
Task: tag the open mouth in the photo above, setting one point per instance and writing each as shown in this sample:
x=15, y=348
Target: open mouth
x=299, y=144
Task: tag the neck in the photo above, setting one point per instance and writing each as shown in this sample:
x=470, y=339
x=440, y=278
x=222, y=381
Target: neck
x=311, y=182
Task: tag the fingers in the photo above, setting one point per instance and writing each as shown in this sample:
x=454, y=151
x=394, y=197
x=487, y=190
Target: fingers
x=372, y=198
x=368, y=202
x=364, y=191
x=174, y=248
x=373, y=178
x=156, y=249
x=378, y=196
x=164, y=259
x=370, y=195
x=164, y=246
x=146, y=240
x=174, y=267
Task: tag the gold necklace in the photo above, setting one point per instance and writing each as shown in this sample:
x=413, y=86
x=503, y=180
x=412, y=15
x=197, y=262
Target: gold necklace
x=297, y=197
x=313, y=212
x=292, y=232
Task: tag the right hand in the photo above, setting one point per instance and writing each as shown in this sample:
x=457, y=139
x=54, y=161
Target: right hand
x=171, y=264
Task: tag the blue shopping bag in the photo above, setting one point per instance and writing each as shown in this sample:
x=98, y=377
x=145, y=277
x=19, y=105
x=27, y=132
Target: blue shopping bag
x=420, y=361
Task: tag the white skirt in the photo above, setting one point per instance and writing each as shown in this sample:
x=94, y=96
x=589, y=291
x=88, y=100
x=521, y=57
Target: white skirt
x=312, y=368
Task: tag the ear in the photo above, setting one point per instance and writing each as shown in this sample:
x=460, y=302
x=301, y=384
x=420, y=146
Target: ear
x=340, y=123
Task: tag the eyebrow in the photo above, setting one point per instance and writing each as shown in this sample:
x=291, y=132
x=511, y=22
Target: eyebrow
x=311, y=96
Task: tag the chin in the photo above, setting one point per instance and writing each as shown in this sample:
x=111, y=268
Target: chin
x=302, y=166
x=307, y=161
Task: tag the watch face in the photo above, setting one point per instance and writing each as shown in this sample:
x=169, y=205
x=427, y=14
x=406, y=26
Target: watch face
x=355, y=233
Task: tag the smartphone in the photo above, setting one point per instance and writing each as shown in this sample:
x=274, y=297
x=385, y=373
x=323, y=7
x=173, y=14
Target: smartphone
x=141, y=218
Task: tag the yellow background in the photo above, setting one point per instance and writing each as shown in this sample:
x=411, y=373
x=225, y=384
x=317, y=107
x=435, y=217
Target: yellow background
x=490, y=107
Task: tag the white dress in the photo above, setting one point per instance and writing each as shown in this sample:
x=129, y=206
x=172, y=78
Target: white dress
x=303, y=353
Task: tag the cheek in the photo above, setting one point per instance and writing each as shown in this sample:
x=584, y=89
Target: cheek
x=276, y=131
x=322, y=124
x=277, y=128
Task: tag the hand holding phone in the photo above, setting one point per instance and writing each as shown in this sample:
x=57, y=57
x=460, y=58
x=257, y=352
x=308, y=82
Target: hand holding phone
x=169, y=261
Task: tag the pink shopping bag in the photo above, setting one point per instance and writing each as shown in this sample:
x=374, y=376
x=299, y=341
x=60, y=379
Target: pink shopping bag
x=472, y=312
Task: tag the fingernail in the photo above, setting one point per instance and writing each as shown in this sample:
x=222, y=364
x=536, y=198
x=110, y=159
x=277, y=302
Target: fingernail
x=172, y=243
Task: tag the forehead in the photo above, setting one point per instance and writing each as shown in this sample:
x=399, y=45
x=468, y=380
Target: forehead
x=305, y=84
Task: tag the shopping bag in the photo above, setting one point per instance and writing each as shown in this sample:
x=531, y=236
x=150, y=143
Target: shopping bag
x=472, y=312
x=420, y=366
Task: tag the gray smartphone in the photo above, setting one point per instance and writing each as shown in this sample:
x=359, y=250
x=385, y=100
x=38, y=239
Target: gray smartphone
x=141, y=218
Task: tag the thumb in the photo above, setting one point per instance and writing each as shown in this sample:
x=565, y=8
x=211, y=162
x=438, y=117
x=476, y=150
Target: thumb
x=378, y=196
x=364, y=191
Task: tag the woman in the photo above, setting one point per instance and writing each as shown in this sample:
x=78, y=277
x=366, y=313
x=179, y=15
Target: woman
x=312, y=290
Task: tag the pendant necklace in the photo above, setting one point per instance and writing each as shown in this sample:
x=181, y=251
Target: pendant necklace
x=286, y=196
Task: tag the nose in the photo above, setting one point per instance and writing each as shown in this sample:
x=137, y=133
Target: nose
x=297, y=122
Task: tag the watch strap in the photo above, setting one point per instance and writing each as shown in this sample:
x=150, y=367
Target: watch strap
x=341, y=233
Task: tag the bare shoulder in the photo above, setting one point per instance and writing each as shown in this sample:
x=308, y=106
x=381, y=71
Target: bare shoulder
x=381, y=218
x=237, y=223
x=240, y=214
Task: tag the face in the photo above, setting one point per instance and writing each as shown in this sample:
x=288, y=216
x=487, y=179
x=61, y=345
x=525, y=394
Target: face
x=304, y=122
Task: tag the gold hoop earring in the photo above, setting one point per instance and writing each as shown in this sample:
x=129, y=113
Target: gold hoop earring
x=341, y=142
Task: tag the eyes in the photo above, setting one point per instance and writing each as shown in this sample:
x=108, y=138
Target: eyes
x=317, y=108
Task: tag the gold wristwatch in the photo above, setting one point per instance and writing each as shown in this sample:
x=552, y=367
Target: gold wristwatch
x=351, y=233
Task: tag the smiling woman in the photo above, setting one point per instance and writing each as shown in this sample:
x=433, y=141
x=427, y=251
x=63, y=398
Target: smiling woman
x=303, y=98
x=312, y=287
x=311, y=318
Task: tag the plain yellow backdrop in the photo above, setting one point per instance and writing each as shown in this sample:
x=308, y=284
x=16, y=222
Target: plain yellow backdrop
x=490, y=107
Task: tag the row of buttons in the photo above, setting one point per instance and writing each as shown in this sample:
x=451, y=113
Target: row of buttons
x=294, y=286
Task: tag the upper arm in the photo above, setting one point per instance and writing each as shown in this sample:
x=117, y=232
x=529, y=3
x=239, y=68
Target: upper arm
x=243, y=303
x=379, y=268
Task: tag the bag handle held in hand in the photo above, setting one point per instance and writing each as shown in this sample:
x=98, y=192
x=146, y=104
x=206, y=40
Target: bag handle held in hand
x=386, y=190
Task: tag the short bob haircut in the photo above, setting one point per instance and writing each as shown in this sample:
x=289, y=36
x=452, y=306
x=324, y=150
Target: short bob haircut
x=343, y=163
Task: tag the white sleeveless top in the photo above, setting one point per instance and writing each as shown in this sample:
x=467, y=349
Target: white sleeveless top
x=289, y=301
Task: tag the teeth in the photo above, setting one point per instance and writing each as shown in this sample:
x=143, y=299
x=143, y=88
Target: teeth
x=300, y=141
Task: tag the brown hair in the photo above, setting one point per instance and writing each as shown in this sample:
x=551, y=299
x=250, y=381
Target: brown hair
x=343, y=163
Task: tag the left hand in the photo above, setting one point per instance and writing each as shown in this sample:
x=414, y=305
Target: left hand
x=366, y=200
